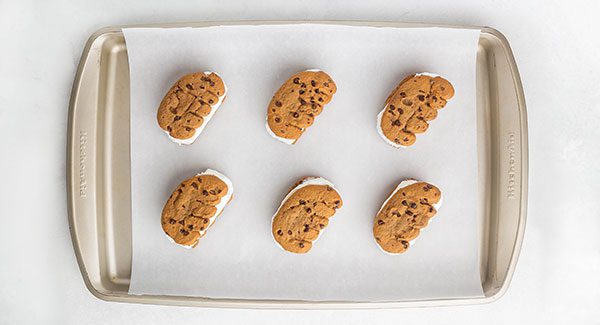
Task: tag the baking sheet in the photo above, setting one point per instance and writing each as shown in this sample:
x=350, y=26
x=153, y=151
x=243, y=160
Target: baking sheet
x=238, y=257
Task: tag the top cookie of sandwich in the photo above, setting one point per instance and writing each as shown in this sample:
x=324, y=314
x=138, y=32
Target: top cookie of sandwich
x=413, y=103
x=187, y=104
x=192, y=207
x=297, y=103
x=304, y=214
x=404, y=214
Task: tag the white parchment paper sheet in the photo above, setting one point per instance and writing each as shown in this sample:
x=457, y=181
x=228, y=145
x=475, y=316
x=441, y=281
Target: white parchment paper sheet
x=238, y=257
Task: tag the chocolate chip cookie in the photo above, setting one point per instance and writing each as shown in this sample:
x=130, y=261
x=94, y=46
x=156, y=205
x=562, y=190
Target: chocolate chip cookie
x=297, y=103
x=304, y=213
x=189, y=105
x=402, y=216
x=194, y=206
x=409, y=108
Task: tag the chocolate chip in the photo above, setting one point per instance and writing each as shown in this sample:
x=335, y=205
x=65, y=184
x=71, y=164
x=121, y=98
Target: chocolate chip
x=302, y=101
x=278, y=104
x=404, y=203
x=409, y=213
x=177, y=118
x=313, y=83
x=289, y=232
x=211, y=83
x=184, y=232
x=429, y=186
x=402, y=94
x=425, y=188
x=302, y=202
x=326, y=84
x=308, y=210
x=205, y=221
x=380, y=222
x=424, y=201
x=392, y=107
x=421, y=97
x=430, y=209
x=204, y=192
x=172, y=221
x=296, y=80
x=181, y=222
x=320, y=99
x=188, y=86
x=317, y=91
x=413, y=205
x=303, y=85
x=277, y=119
x=301, y=245
x=405, y=139
x=329, y=188
x=400, y=110
x=201, y=228
x=280, y=232
x=301, y=92
x=296, y=115
x=321, y=226
x=195, y=186
x=190, y=227
x=337, y=202
x=306, y=228
x=404, y=244
x=397, y=123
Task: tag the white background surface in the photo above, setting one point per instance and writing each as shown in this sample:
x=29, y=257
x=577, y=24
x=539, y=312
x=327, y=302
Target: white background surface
x=238, y=257
x=557, y=50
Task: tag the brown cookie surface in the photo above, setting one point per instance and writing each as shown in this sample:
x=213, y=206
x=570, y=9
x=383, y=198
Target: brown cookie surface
x=413, y=103
x=403, y=215
x=193, y=207
x=304, y=214
x=298, y=102
x=187, y=105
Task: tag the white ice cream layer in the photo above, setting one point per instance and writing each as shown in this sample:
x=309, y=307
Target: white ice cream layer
x=224, y=200
x=403, y=184
x=220, y=206
x=306, y=182
x=198, y=131
x=284, y=140
x=429, y=74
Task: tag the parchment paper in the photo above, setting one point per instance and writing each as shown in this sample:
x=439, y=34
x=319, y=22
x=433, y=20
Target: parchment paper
x=238, y=257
